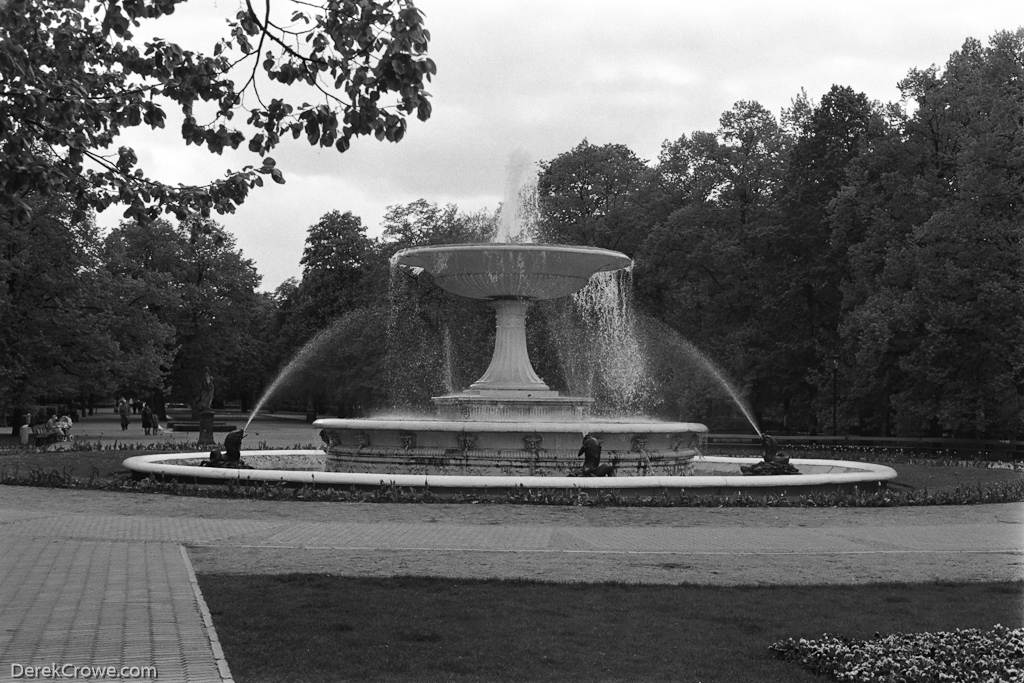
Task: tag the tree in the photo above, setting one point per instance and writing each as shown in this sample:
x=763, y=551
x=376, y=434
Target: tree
x=596, y=196
x=256, y=357
x=336, y=266
x=807, y=261
x=421, y=223
x=739, y=167
x=703, y=270
x=339, y=364
x=753, y=161
x=74, y=80
x=340, y=265
x=208, y=296
x=70, y=328
x=935, y=297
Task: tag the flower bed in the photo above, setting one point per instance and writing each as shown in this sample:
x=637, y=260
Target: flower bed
x=962, y=655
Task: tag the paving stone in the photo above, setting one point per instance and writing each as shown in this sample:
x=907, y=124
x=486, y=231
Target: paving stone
x=100, y=603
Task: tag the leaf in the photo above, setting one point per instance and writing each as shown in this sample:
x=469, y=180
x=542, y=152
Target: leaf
x=423, y=111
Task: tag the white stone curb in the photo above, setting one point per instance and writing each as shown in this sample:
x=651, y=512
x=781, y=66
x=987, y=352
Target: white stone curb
x=218, y=652
x=831, y=472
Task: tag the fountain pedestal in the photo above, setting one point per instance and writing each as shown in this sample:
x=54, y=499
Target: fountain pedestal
x=510, y=368
x=510, y=389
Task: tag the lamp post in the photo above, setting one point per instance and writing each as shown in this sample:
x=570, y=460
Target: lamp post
x=835, y=395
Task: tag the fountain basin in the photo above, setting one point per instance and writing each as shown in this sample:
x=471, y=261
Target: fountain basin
x=712, y=476
x=511, y=271
x=426, y=446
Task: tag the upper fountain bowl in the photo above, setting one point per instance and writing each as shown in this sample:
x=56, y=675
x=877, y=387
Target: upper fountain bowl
x=523, y=271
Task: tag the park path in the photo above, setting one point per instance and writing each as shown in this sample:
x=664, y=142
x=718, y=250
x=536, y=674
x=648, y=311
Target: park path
x=103, y=430
x=106, y=579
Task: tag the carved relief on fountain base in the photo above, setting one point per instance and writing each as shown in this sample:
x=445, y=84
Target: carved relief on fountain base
x=511, y=406
x=478, y=448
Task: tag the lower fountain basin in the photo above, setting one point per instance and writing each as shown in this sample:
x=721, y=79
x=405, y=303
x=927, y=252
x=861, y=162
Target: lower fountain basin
x=446, y=447
x=712, y=476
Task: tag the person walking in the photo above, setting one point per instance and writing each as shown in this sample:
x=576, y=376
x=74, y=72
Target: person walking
x=124, y=410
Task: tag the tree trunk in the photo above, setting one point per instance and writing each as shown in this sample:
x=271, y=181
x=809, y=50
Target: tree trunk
x=158, y=402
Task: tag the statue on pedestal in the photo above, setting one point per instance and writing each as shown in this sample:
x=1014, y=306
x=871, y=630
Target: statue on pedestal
x=591, y=453
x=774, y=462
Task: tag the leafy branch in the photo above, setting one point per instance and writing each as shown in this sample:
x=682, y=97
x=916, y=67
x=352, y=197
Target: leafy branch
x=75, y=81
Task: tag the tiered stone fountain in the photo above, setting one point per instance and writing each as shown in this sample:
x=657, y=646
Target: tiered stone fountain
x=508, y=421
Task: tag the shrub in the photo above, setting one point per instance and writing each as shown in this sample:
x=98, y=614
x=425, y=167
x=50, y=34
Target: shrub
x=961, y=655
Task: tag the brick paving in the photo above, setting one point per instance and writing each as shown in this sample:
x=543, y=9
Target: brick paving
x=100, y=603
x=105, y=579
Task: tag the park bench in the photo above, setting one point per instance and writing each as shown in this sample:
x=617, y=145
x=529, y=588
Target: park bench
x=43, y=435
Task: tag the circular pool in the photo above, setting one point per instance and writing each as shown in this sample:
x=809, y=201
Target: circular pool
x=710, y=475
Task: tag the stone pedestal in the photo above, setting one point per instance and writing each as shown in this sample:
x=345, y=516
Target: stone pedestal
x=510, y=368
x=206, y=428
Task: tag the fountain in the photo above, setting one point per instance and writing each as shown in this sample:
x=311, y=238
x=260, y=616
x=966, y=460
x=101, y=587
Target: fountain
x=509, y=430
x=509, y=421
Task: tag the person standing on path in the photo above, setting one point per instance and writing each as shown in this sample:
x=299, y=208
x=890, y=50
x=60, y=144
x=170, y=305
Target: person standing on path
x=147, y=418
x=124, y=410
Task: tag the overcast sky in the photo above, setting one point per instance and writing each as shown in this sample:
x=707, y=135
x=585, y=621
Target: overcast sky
x=540, y=76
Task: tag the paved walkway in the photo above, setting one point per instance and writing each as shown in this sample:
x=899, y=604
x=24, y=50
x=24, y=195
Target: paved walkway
x=103, y=429
x=106, y=580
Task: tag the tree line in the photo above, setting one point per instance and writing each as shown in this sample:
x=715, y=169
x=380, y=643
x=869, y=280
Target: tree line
x=872, y=248
x=847, y=257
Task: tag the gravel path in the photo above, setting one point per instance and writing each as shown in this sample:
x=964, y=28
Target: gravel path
x=725, y=546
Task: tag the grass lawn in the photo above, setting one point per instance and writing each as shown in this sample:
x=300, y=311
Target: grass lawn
x=79, y=463
x=312, y=628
